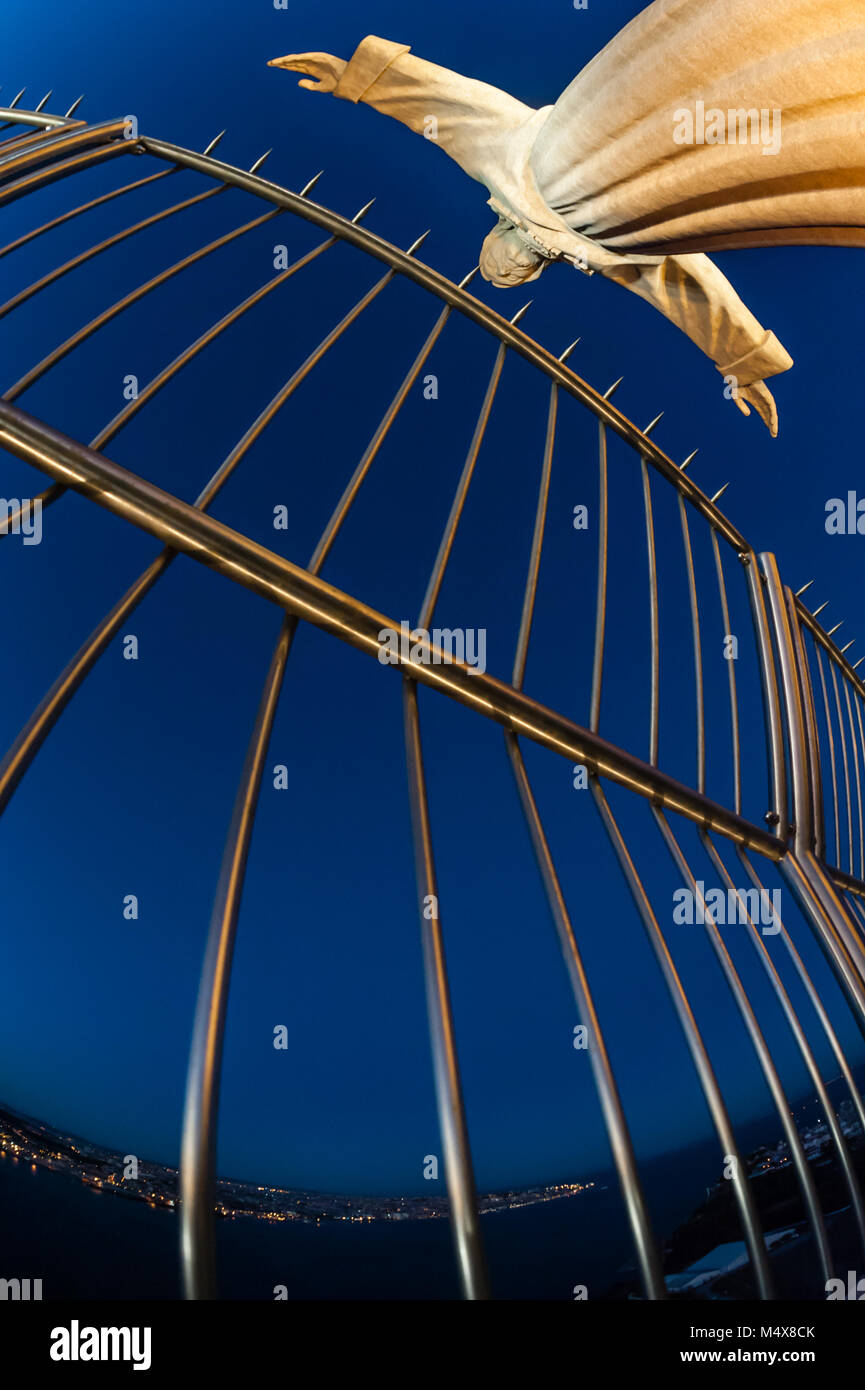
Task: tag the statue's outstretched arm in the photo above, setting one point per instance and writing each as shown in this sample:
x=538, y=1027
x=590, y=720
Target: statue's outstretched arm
x=472, y=122
x=693, y=293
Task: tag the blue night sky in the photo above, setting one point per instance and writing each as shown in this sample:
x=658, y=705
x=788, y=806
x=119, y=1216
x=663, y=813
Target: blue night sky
x=133, y=791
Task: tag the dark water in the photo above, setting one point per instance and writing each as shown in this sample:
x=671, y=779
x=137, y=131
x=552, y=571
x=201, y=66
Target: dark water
x=89, y=1244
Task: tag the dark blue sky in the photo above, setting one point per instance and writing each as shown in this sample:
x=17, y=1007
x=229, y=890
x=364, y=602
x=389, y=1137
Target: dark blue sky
x=133, y=791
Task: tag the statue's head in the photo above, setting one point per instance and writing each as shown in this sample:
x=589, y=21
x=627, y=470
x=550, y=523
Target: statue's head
x=506, y=259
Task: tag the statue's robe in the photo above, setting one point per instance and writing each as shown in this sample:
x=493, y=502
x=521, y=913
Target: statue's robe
x=600, y=178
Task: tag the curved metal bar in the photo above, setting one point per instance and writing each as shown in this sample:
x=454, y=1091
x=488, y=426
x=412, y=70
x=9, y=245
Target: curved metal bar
x=810, y=1060
x=184, y=528
x=601, y=594
x=809, y=714
x=846, y=768
x=858, y=707
x=708, y=1081
x=777, y=814
x=761, y=1047
x=22, y=142
x=731, y=674
x=459, y=1173
x=42, y=119
x=531, y=589
x=36, y=179
x=129, y=299
x=858, y=782
x=618, y=1133
x=698, y=655
x=654, y=628
x=198, y=1148
x=53, y=275
x=84, y=207
x=831, y=739
x=51, y=148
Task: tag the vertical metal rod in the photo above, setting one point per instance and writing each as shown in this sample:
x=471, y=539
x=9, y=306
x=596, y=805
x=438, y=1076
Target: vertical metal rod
x=697, y=1048
x=198, y=1148
x=846, y=767
x=858, y=778
x=835, y=939
x=459, y=1173
x=654, y=628
x=832, y=924
x=698, y=656
x=776, y=752
x=342, y=507
x=433, y=588
x=831, y=738
x=616, y=1123
x=731, y=674
x=809, y=714
x=758, y=1040
x=601, y=603
x=802, y=803
x=531, y=588
x=845, y=1160
x=857, y=702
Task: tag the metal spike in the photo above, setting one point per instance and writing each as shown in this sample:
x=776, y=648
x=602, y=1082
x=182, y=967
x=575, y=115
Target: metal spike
x=74, y=107
x=364, y=210
x=610, y=389
x=858, y=663
x=835, y=628
x=15, y=100
x=213, y=144
x=801, y=591
x=653, y=423
x=258, y=163
x=520, y=312
x=820, y=609
x=44, y=99
x=311, y=185
x=568, y=350
x=719, y=493
x=421, y=239
x=468, y=279
x=848, y=646
x=689, y=459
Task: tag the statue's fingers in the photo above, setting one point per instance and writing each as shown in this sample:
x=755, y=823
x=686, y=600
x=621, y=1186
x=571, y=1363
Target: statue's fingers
x=295, y=62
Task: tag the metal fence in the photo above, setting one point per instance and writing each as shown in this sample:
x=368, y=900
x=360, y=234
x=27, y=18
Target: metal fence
x=811, y=695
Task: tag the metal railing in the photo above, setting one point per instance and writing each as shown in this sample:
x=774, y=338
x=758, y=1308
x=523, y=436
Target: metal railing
x=810, y=744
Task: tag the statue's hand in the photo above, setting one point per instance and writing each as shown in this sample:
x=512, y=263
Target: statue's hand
x=760, y=397
x=323, y=69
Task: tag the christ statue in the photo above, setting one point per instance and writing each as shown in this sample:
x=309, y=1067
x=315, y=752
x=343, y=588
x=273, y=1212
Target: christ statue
x=703, y=125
